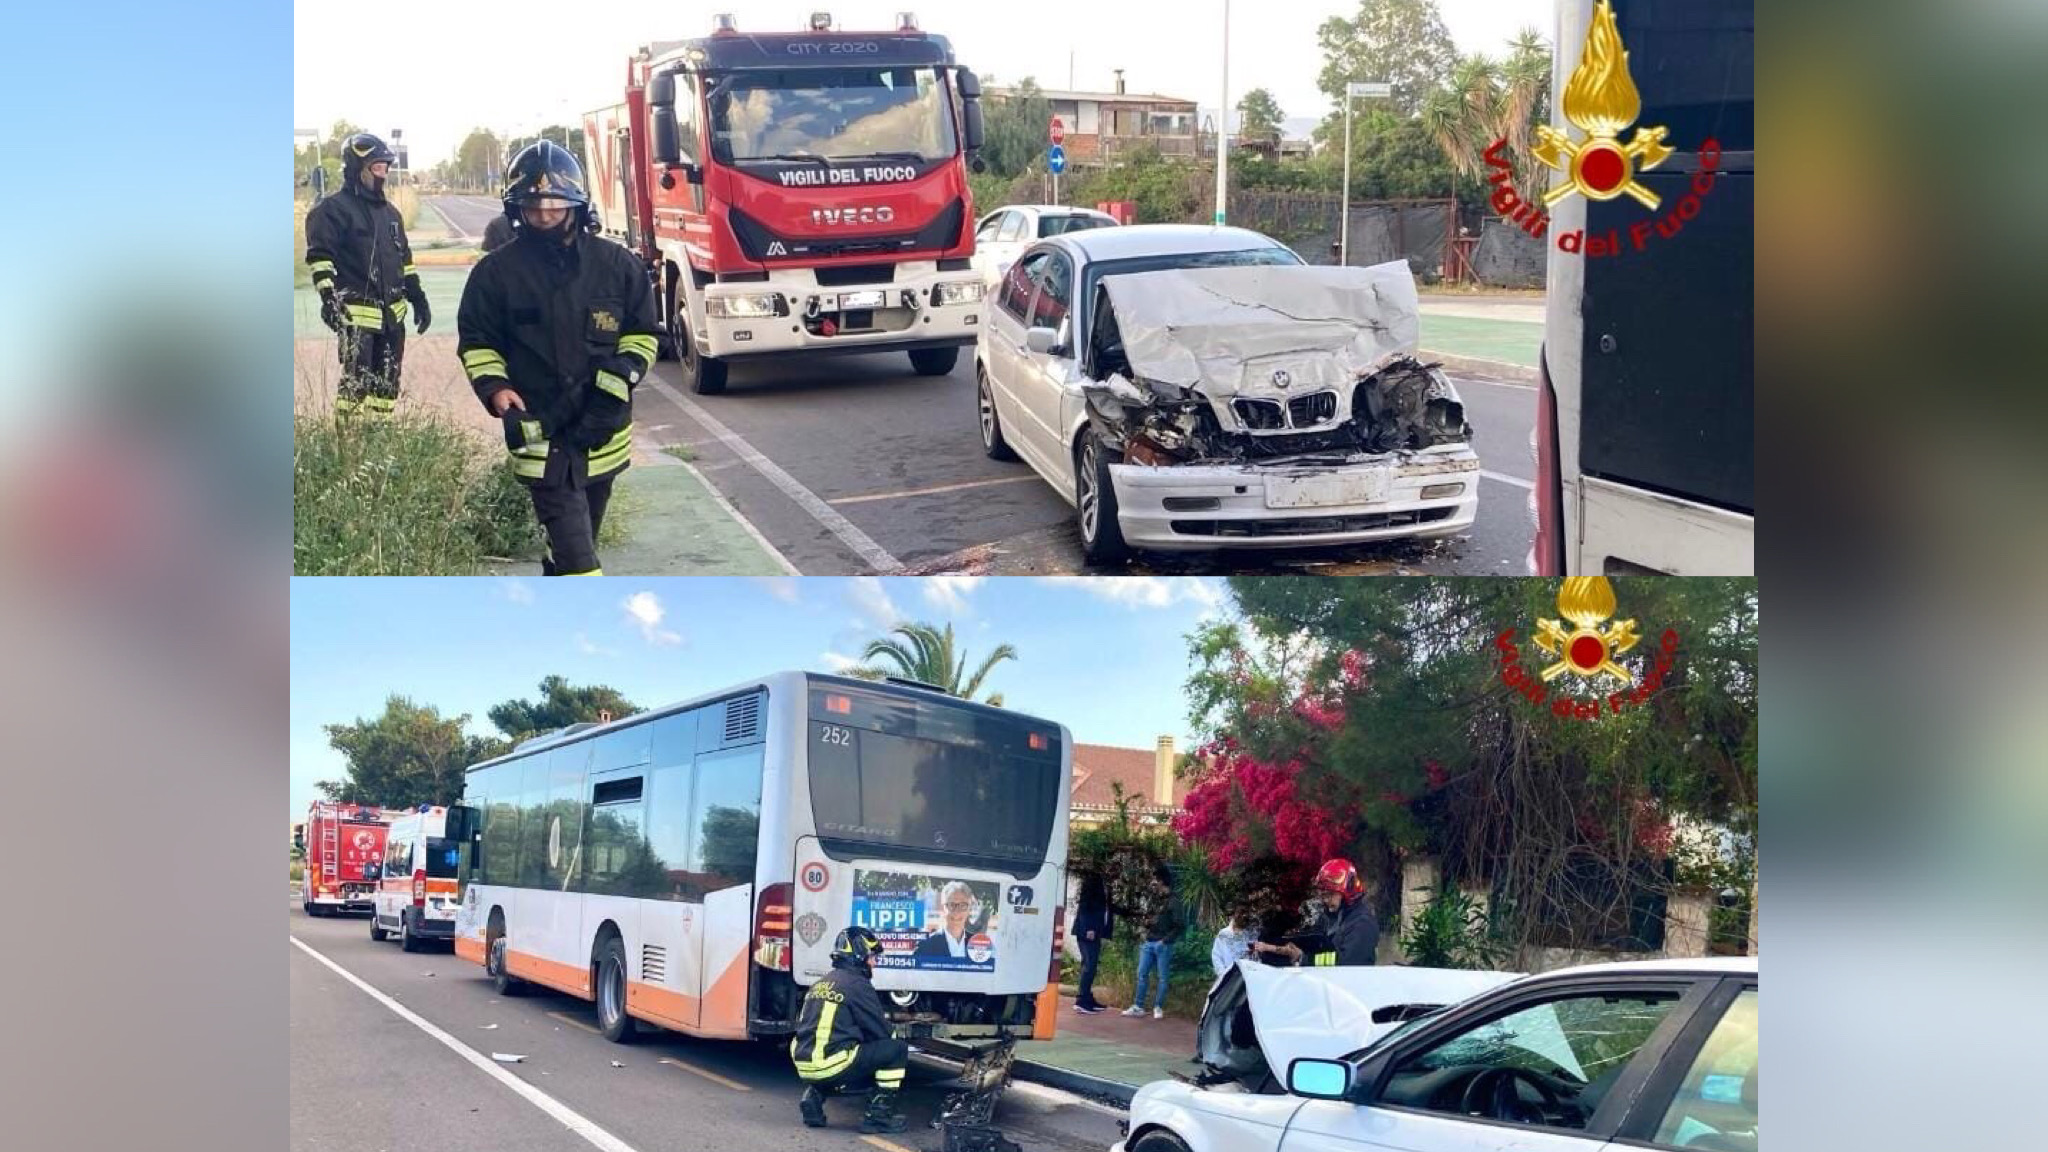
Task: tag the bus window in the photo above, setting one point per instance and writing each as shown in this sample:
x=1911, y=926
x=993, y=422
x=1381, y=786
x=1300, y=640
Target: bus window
x=533, y=821
x=498, y=788
x=566, y=768
x=726, y=817
x=939, y=784
x=613, y=845
x=668, y=830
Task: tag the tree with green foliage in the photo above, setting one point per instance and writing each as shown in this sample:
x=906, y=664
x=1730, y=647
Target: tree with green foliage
x=929, y=654
x=1369, y=719
x=1483, y=100
x=1014, y=129
x=1259, y=116
x=560, y=705
x=1401, y=42
x=479, y=159
x=408, y=755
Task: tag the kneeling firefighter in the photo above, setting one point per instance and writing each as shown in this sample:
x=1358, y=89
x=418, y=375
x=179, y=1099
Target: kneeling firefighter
x=557, y=327
x=842, y=1036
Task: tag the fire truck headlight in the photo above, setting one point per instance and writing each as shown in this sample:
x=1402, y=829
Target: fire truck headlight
x=959, y=292
x=755, y=307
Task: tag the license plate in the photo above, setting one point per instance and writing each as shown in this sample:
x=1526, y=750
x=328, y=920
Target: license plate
x=862, y=299
x=1334, y=489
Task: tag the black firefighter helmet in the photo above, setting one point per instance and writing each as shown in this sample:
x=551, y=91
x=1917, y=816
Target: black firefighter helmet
x=854, y=947
x=359, y=152
x=545, y=173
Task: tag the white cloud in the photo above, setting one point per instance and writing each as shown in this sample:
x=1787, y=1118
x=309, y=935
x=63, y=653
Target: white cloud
x=515, y=590
x=949, y=593
x=784, y=588
x=585, y=645
x=871, y=604
x=1147, y=591
x=645, y=610
x=837, y=662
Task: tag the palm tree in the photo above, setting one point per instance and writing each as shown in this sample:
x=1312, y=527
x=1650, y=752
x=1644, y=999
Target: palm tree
x=927, y=653
x=1483, y=101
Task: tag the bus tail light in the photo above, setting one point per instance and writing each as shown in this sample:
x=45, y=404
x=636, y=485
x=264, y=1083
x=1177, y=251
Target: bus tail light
x=771, y=928
x=1039, y=742
x=1546, y=499
x=1059, y=942
x=419, y=888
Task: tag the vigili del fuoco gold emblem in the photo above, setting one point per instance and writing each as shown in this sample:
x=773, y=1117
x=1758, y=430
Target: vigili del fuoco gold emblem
x=1587, y=650
x=1602, y=101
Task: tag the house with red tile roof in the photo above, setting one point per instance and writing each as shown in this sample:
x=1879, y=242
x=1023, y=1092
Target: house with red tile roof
x=1146, y=775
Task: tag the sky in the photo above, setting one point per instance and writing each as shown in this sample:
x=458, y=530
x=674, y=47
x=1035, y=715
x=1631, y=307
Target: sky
x=1106, y=656
x=439, y=70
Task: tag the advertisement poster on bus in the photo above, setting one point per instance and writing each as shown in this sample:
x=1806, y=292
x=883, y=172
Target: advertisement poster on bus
x=928, y=923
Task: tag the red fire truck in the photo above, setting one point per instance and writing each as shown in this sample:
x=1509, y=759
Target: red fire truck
x=338, y=839
x=799, y=192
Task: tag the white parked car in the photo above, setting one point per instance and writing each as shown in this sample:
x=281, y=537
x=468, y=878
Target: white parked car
x=1003, y=233
x=1653, y=1054
x=1193, y=388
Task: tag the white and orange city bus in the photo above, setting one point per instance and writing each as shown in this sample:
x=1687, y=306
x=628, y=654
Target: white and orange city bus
x=688, y=867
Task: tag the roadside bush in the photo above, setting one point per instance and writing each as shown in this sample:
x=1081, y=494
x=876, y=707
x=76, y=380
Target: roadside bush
x=298, y=870
x=1453, y=931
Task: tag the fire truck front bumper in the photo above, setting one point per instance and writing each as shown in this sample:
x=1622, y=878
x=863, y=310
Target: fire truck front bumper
x=795, y=314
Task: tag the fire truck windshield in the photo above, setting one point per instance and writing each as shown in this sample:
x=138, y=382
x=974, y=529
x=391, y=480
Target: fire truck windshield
x=892, y=113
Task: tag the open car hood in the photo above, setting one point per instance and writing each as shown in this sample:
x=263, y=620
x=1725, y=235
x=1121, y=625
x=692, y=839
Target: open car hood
x=1265, y=330
x=1316, y=1012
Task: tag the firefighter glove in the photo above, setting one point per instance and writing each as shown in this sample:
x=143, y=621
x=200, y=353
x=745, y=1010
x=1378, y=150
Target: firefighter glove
x=522, y=429
x=330, y=310
x=417, y=297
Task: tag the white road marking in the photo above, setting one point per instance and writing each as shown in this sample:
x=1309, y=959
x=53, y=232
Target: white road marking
x=571, y=1119
x=862, y=545
x=448, y=220
x=1461, y=381
x=934, y=489
x=1525, y=485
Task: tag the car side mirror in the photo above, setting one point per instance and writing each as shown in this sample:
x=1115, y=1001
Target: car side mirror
x=1043, y=341
x=1319, y=1079
x=666, y=148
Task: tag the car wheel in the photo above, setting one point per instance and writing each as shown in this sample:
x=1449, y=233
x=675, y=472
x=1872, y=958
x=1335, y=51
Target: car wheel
x=1158, y=1140
x=377, y=934
x=992, y=441
x=934, y=361
x=407, y=942
x=1102, y=537
x=704, y=374
x=611, y=993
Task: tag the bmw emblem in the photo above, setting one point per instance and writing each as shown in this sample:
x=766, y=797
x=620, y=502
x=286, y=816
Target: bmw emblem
x=1281, y=379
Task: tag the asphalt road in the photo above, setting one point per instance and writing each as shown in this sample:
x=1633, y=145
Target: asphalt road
x=854, y=464
x=849, y=464
x=365, y=1078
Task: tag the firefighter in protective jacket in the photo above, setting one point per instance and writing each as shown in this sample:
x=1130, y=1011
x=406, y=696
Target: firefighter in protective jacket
x=843, y=1036
x=362, y=267
x=557, y=328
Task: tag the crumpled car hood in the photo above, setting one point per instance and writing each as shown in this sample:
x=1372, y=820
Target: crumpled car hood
x=1269, y=331
x=1320, y=1012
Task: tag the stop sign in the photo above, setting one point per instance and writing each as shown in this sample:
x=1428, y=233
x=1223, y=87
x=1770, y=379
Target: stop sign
x=1059, y=131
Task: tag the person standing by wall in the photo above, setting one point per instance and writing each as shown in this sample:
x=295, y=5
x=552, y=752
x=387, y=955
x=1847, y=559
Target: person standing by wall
x=1155, y=955
x=1233, y=943
x=1094, y=924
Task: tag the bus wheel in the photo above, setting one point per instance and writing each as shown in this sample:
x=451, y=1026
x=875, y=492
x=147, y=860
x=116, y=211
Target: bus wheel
x=611, y=993
x=494, y=964
x=377, y=934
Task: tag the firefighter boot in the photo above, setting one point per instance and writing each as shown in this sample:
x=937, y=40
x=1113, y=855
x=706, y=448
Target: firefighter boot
x=882, y=1115
x=812, y=1105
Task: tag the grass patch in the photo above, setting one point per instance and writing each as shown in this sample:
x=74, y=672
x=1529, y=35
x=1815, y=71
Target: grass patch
x=298, y=870
x=408, y=496
x=680, y=452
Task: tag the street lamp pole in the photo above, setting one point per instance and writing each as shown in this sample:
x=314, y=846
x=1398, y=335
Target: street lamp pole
x=1223, y=125
x=1352, y=90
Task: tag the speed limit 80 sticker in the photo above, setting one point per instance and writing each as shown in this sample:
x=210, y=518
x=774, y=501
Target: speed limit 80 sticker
x=814, y=876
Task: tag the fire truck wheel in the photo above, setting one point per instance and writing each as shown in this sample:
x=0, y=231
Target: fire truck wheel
x=934, y=361
x=611, y=993
x=406, y=940
x=494, y=963
x=377, y=934
x=705, y=374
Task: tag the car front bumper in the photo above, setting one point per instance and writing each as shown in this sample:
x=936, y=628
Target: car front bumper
x=907, y=316
x=1194, y=507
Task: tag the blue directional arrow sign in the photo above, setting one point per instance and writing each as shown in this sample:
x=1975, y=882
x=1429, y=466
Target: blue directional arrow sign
x=1056, y=159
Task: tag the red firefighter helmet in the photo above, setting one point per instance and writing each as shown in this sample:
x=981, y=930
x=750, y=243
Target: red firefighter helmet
x=1340, y=877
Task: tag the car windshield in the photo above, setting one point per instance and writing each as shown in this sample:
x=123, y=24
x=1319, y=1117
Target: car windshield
x=897, y=113
x=1071, y=222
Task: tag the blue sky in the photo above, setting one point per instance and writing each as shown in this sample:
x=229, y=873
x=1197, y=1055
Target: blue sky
x=1105, y=656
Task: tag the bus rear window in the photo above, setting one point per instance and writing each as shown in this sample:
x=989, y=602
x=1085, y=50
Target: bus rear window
x=932, y=781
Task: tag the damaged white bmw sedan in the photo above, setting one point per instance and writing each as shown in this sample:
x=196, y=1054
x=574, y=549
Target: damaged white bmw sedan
x=1193, y=388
